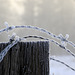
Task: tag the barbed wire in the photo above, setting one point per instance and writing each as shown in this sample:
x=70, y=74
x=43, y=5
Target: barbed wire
x=64, y=40
x=4, y=52
x=51, y=40
x=14, y=41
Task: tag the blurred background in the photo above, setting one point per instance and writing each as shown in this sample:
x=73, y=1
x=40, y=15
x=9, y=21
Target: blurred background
x=56, y=16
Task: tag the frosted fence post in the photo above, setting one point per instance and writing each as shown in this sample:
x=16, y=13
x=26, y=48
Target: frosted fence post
x=26, y=58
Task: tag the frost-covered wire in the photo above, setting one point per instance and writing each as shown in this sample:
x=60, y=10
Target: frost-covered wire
x=51, y=40
x=62, y=63
x=13, y=42
x=8, y=28
x=40, y=37
x=4, y=52
x=61, y=46
x=35, y=36
x=64, y=40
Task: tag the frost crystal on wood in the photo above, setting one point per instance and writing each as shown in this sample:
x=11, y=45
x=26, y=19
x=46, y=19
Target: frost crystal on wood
x=15, y=39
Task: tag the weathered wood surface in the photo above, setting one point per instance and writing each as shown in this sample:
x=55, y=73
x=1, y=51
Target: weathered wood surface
x=26, y=58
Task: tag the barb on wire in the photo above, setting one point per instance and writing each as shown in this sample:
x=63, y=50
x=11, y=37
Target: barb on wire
x=8, y=28
x=61, y=46
x=51, y=40
x=4, y=52
x=12, y=38
x=40, y=37
x=62, y=63
x=64, y=40
x=13, y=41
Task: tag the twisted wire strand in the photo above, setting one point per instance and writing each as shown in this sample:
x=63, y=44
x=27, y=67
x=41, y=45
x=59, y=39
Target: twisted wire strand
x=62, y=63
x=35, y=36
x=4, y=52
x=42, y=30
x=51, y=40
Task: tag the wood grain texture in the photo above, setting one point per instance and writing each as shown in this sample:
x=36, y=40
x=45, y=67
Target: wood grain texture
x=26, y=58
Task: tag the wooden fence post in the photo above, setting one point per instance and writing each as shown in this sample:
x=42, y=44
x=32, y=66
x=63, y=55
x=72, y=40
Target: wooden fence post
x=26, y=58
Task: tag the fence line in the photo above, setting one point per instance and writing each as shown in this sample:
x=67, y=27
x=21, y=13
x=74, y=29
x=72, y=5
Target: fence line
x=14, y=40
x=51, y=40
x=60, y=36
x=4, y=52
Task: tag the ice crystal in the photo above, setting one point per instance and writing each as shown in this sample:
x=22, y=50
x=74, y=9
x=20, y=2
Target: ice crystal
x=63, y=39
x=6, y=24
